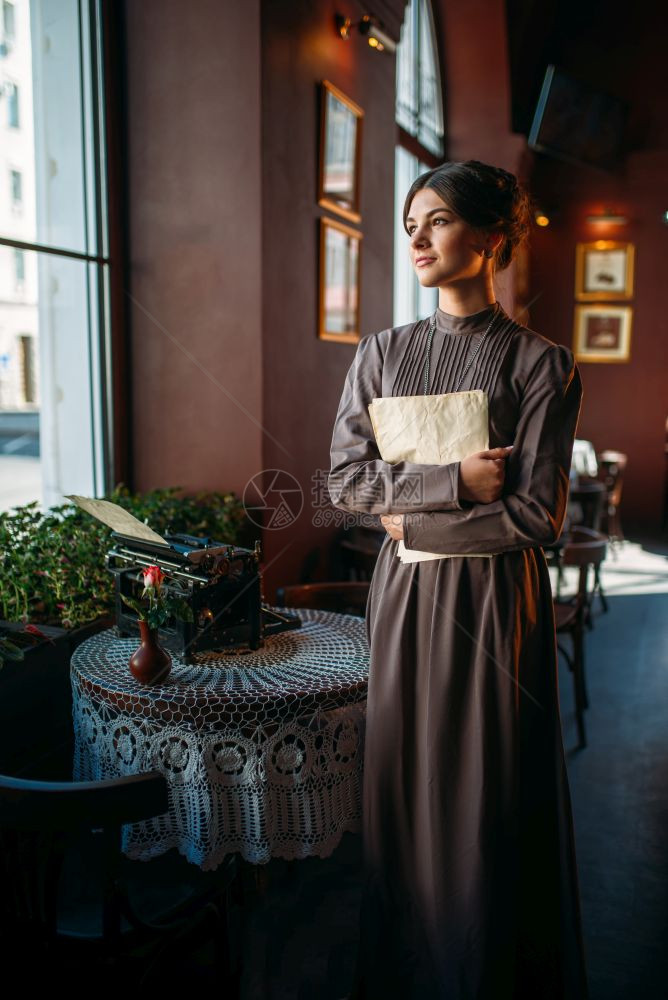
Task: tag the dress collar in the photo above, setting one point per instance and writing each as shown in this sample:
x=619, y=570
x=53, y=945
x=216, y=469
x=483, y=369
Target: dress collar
x=476, y=323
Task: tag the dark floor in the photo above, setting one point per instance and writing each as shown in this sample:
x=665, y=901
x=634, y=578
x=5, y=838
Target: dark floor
x=299, y=936
x=619, y=785
x=300, y=939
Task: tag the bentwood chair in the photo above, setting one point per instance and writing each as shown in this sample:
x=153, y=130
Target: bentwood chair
x=347, y=598
x=585, y=549
x=357, y=551
x=612, y=466
x=71, y=901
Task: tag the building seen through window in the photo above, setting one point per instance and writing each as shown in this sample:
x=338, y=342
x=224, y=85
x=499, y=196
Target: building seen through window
x=16, y=188
x=53, y=253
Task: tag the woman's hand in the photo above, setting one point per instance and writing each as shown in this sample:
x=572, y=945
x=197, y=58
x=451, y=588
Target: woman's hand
x=481, y=475
x=394, y=525
x=481, y=478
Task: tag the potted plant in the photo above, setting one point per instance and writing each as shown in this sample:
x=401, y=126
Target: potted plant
x=53, y=579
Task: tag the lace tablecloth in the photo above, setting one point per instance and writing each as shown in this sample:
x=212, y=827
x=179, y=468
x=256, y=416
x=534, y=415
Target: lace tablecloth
x=262, y=750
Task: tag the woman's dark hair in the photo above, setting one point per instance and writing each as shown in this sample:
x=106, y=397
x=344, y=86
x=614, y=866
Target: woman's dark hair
x=485, y=197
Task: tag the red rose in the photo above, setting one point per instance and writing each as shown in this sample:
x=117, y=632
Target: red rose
x=153, y=577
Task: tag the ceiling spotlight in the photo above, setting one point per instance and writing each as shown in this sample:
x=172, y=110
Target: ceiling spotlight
x=370, y=28
x=343, y=26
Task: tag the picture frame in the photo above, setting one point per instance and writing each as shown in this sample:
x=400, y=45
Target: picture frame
x=602, y=333
x=604, y=270
x=339, y=282
x=340, y=153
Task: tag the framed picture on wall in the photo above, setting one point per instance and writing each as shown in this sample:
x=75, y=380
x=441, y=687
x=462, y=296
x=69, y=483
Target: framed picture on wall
x=339, y=285
x=602, y=333
x=604, y=270
x=340, y=153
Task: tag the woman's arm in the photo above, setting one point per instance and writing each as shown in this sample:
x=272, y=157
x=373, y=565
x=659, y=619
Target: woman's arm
x=533, y=507
x=359, y=479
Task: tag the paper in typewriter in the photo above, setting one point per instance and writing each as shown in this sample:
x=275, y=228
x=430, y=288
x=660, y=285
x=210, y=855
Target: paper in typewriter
x=118, y=519
x=430, y=430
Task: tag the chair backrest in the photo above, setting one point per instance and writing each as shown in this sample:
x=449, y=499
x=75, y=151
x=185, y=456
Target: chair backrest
x=584, y=548
x=59, y=806
x=346, y=598
x=39, y=820
x=358, y=560
x=590, y=494
x=612, y=465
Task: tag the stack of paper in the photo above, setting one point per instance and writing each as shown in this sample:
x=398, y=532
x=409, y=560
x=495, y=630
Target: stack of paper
x=430, y=430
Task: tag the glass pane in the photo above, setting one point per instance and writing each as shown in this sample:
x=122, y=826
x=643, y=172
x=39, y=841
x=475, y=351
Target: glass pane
x=430, y=129
x=47, y=128
x=411, y=300
x=406, y=113
x=341, y=276
x=419, y=104
x=340, y=153
x=404, y=277
x=51, y=439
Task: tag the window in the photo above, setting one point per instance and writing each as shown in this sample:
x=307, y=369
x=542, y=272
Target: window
x=8, y=22
x=419, y=105
x=419, y=117
x=19, y=268
x=411, y=300
x=12, y=98
x=27, y=354
x=16, y=188
x=54, y=255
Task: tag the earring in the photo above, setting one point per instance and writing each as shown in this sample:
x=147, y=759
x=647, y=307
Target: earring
x=488, y=254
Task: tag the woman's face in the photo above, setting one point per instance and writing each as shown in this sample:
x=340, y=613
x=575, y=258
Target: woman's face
x=443, y=248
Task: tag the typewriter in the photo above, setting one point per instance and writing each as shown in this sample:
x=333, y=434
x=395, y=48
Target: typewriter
x=220, y=582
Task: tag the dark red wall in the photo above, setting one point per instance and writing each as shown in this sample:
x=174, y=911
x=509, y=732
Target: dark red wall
x=303, y=375
x=229, y=377
x=625, y=405
x=195, y=283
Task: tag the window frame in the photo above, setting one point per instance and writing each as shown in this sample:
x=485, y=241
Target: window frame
x=105, y=45
x=425, y=158
x=11, y=95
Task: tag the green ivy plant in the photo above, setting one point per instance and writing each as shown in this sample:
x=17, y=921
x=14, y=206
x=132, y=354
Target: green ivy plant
x=52, y=565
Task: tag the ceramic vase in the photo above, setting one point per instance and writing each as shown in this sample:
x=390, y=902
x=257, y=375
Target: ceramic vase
x=150, y=664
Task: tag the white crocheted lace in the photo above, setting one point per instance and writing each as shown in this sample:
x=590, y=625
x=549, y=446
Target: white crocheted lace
x=262, y=750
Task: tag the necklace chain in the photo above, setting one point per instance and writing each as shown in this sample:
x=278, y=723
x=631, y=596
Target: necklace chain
x=427, y=363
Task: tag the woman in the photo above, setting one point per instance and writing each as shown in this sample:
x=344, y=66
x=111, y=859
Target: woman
x=471, y=883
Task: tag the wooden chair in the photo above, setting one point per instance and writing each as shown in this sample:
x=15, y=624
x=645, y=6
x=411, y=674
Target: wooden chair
x=358, y=561
x=348, y=598
x=357, y=551
x=585, y=548
x=612, y=466
x=70, y=897
x=587, y=501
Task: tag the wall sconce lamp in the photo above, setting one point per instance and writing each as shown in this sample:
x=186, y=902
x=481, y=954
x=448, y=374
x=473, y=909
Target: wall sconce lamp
x=608, y=218
x=541, y=218
x=370, y=28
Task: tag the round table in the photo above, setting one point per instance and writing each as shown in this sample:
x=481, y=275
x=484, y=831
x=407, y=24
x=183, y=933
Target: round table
x=262, y=750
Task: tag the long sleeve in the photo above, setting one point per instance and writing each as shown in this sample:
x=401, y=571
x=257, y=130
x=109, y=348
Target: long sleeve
x=533, y=507
x=359, y=480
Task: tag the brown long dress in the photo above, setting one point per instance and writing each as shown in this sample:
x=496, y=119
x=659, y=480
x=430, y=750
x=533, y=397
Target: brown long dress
x=471, y=888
